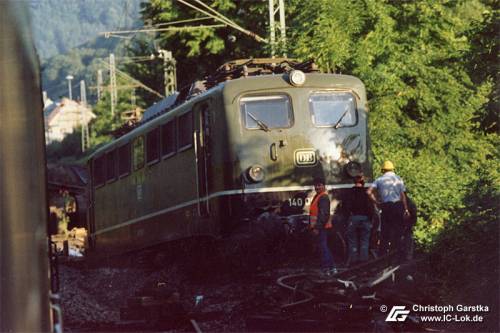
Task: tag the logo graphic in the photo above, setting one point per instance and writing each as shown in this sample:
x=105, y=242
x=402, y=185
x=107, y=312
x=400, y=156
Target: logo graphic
x=305, y=157
x=397, y=313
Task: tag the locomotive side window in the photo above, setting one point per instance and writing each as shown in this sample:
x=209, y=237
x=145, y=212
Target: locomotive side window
x=333, y=109
x=185, y=131
x=138, y=152
x=111, y=166
x=153, y=146
x=265, y=112
x=99, y=170
x=124, y=160
x=168, y=139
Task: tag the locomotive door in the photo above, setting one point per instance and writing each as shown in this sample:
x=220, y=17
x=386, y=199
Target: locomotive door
x=202, y=138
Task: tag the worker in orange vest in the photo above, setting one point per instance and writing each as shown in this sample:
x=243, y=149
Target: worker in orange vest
x=319, y=219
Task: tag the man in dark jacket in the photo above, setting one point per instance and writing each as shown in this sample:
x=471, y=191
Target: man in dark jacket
x=360, y=210
x=319, y=217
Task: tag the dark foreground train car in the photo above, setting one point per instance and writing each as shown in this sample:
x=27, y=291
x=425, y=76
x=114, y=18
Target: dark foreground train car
x=24, y=260
x=222, y=156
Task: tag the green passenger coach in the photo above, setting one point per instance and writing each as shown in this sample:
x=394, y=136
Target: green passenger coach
x=254, y=136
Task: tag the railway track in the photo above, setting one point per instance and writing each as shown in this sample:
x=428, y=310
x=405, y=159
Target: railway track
x=279, y=294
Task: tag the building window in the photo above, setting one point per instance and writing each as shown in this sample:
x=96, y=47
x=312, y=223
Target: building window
x=138, y=152
x=185, y=131
x=99, y=170
x=168, y=139
x=111, y=166
x=124, y=160
x=266, y=112
x=153, y=146
x=333, y=109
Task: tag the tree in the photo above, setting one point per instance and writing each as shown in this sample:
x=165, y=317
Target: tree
x=412, y=57
x=199, y=52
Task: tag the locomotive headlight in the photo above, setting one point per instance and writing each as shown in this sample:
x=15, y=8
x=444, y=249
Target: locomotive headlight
x=297, y=78
x=255, y=173
x=353, y=169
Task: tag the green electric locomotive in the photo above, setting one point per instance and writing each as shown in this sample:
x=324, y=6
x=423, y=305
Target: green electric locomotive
x=252, y=135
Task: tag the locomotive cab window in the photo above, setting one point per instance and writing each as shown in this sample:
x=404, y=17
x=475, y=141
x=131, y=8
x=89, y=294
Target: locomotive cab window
x=333, y=109
x=168, y=139
x=99, y=171
x=138, y=152
x=153, y=146
x=185, y=131
x=266, y=112
x=124, y=160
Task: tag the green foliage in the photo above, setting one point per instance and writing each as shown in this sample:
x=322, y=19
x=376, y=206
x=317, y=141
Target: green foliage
x=105, y=123
x=468, y=248
x=68, y=148
x=429, y=68
x=425, y=109
x=148, y=72
x=201, y=51
x=484, y=63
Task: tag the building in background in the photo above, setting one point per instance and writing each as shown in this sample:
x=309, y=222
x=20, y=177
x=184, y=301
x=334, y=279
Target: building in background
x=62, y=118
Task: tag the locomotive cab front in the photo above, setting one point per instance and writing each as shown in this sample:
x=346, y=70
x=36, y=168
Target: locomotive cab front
x=286, y=130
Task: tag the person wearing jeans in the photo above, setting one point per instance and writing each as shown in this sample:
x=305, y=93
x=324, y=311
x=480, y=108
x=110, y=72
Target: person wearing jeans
x=319, y=222
x=360, y=210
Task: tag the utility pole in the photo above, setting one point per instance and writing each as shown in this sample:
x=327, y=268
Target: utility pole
x=276, y=6
x=169, y=72
x=133, y=99
x=69, y=78
x=85, y=126
x=112, y=79
x=99, y=84
x=83, y=93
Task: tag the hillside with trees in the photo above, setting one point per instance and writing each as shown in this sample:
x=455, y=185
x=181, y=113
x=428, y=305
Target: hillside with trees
x=59, y=26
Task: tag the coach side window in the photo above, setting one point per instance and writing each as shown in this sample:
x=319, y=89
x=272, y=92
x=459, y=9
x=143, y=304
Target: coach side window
x=111, y=166
x=124, y=160
x=153, y=146
x=168, y=139
x=185, y=131
x=138, y=152
x=99, y=170
x=333, y=109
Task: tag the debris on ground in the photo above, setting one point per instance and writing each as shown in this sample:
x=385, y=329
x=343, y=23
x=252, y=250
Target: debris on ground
x=170, y=297
x=71, y=243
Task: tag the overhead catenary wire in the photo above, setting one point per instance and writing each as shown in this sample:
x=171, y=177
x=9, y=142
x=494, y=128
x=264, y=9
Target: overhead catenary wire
x=142, y=85
x=222, y=18
x=234, y=24
x=108, y=34
x=128, y=77
x=182, y=21
x=212, y=14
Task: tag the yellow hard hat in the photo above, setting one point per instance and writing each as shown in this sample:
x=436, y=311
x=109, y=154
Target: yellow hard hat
x=388, y=166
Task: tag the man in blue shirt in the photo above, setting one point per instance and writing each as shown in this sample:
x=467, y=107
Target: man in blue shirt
x=391, y=192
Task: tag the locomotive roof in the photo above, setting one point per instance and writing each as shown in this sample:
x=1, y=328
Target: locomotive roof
x=237, y=87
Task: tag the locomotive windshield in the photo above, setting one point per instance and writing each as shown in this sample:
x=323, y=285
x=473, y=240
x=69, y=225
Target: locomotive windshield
x=333, y=109
x=266, y=112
